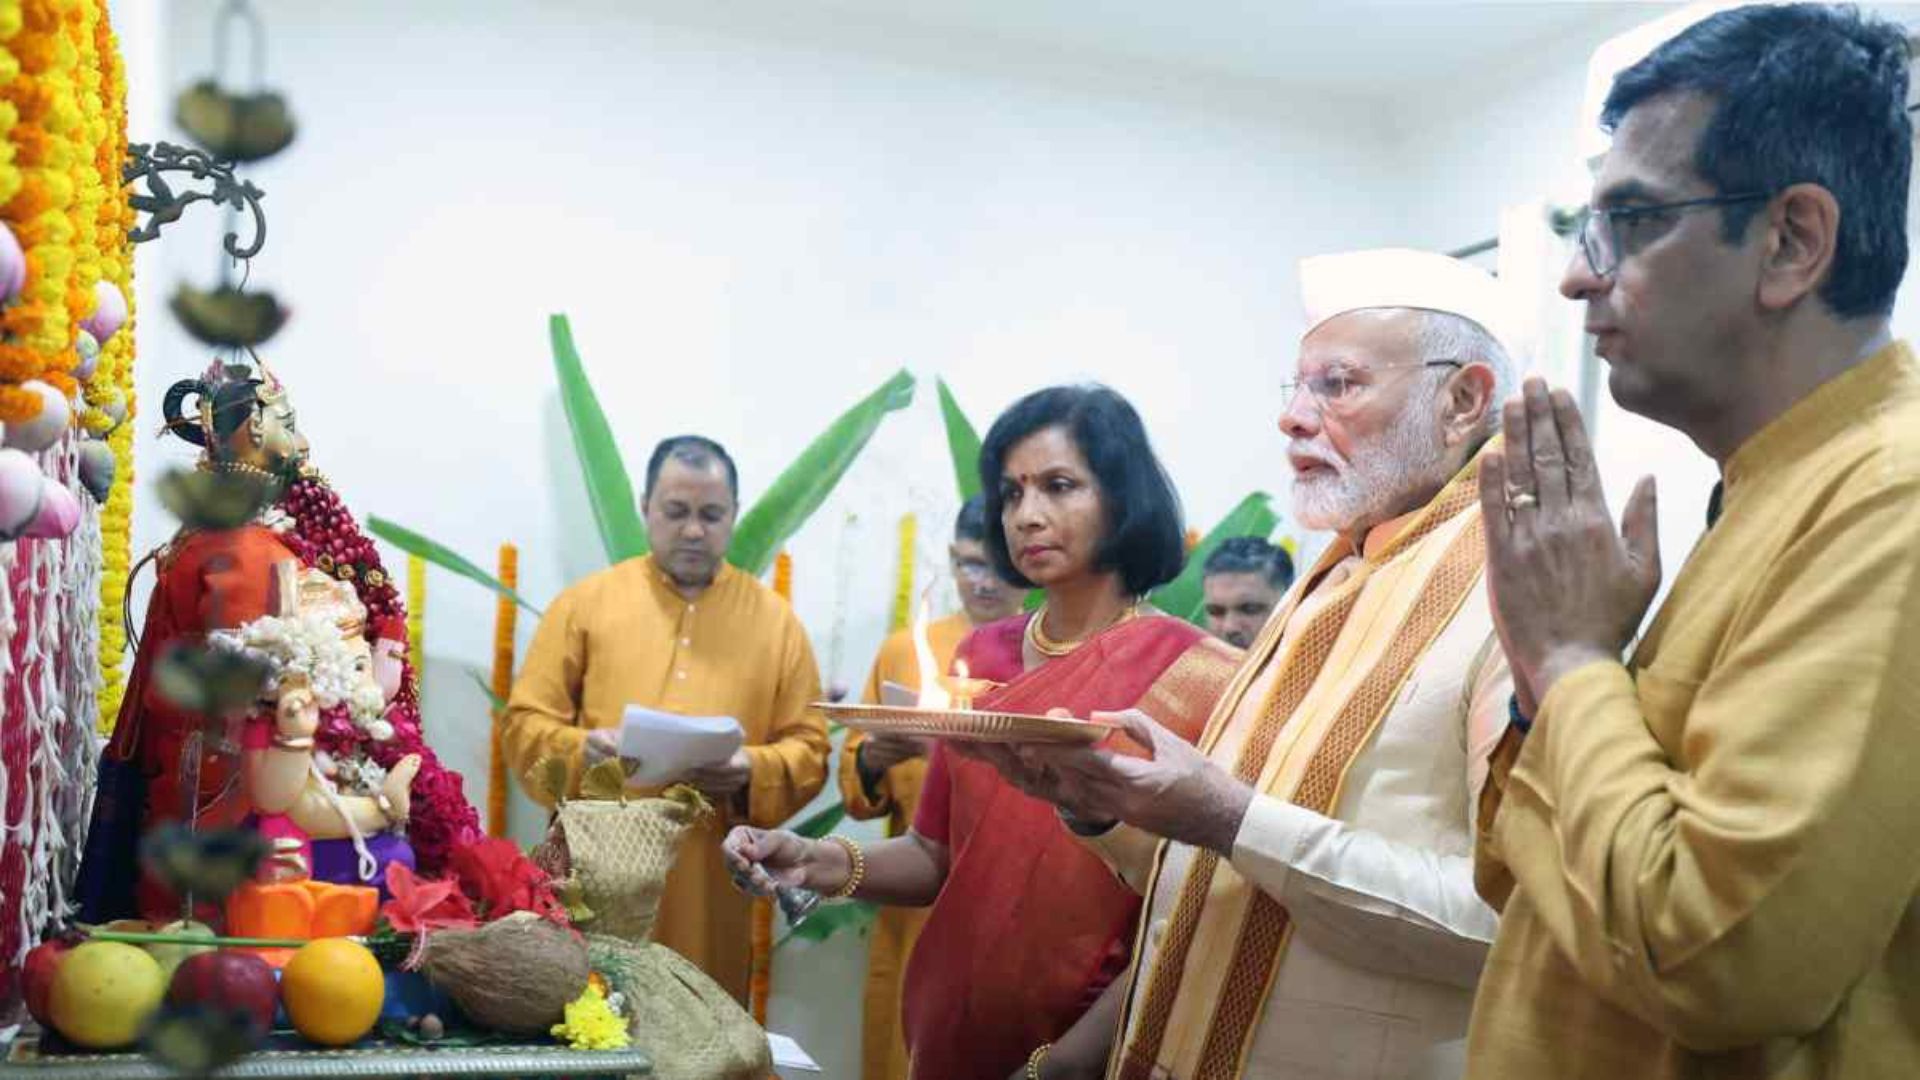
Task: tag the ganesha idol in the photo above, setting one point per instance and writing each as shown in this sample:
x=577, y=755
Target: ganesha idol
x=334, y=819
x=331, y=766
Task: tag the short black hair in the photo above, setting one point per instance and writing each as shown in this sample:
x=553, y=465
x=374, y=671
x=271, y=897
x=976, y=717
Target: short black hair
x=971, y=522
x=1145, y=532
x=697, y=451
x=1802, y=93
x=1250, y=555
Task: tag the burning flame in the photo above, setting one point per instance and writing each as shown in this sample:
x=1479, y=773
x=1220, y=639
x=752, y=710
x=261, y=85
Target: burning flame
x=932, y=694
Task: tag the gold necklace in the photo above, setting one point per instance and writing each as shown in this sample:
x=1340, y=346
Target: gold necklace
x=1047, y=646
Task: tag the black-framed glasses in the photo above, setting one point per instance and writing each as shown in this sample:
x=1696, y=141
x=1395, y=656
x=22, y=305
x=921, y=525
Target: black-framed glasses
x=1599, y=230
x=1339, y=389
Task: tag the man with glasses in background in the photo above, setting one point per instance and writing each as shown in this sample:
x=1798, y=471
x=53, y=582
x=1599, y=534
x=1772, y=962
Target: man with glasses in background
x=1708, y=856
x=1308, y=868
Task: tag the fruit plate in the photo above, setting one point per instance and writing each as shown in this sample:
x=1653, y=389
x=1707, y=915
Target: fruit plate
x=966, y=725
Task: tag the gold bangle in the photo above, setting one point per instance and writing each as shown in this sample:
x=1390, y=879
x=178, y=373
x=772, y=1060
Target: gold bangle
x=292, y=742
x=856, y=876
x=1034, y=1059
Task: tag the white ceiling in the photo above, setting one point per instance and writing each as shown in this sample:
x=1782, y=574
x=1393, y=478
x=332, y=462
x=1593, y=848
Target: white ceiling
x=1351, y=47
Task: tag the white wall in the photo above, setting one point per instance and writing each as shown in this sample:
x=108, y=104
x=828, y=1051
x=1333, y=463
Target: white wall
x=753, y=218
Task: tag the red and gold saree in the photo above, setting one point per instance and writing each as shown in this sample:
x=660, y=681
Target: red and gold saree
x=1030, y=927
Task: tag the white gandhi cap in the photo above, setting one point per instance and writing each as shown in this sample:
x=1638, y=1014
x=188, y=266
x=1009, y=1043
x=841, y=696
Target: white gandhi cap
x=1333, y=285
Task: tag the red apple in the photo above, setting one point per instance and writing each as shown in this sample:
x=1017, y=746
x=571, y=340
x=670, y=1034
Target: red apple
x=227, y=980
x=36, y=976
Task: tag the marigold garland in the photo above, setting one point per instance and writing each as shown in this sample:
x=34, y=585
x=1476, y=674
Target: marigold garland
x=416, y=607
x=112, y=383
x=760, y=970
x=62, y=143
x=903, y=576
x=506, y=616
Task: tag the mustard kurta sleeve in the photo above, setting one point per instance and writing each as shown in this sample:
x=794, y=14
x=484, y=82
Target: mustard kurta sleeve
x=864, y=805
x=1733, y=885
x=543, y=711
x=790, y=768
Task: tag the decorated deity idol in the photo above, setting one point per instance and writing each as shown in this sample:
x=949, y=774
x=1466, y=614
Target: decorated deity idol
x=339, y=819
x=169, y=763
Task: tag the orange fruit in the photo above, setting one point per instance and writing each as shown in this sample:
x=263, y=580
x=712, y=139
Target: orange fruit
x=333, y=989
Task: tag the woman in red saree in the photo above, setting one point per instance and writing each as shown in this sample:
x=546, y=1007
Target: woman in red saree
x=1028, y=928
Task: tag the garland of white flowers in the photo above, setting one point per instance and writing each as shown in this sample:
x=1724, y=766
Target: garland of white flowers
x=311, y=644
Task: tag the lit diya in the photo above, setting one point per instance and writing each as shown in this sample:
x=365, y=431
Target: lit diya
x=945, y=709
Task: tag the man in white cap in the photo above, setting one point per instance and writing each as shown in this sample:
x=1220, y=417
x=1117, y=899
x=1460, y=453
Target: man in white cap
x=1308, y=867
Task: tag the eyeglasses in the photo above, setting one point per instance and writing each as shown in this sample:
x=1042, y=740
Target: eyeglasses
x=1600, y=230
x=1341, y=389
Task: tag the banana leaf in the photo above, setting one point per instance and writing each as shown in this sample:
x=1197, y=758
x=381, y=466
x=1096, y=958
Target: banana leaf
x=609, y=490
x=1183, y=597
x=822, y=822
x=806, y=483
x=963, y=441
x=414, y=544
x=499, y=703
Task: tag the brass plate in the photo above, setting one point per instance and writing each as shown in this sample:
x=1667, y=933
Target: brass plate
x=966, y=725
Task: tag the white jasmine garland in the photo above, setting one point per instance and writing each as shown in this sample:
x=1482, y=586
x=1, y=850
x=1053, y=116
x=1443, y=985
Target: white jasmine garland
x=311, y=645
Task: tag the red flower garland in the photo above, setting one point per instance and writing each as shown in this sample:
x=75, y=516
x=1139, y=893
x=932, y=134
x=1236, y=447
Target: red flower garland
x=325, y=535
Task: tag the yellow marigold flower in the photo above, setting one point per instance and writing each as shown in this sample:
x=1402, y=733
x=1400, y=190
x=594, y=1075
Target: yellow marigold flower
x=591, y=1023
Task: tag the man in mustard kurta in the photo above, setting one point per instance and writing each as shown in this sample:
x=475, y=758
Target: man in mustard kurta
x=681, y=631
x=880, y=776
x=1709, y=855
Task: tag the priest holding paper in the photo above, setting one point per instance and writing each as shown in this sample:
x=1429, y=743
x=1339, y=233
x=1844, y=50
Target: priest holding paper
x=679, y=631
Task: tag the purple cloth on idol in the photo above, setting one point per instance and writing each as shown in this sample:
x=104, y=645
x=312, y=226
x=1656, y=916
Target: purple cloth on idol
x=338, y=862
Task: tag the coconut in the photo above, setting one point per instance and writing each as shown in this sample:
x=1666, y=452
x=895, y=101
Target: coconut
x=21, y=487
x=97, y=467
x=109, y=312
x=515, y=974
x=45, y=429
x=13, y=266
x=59, y=512
x=88, y=350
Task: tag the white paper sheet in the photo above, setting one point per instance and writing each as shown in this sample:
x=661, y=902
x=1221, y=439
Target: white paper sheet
x=892, y=693
x=788, y=1055
x=667, y=745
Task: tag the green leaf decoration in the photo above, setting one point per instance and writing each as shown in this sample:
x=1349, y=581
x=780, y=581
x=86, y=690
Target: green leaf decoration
x=831, y=919
x=963, y=441
x=1182, y=597
x=609, y=490
x=822, y=822
x=486, y=687
x=439, y=555
x=806, y=483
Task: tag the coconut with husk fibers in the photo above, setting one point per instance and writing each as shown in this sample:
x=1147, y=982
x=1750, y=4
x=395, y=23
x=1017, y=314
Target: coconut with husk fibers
x=515, y=974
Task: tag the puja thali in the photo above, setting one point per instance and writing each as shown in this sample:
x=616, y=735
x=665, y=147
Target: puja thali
x=966, y=725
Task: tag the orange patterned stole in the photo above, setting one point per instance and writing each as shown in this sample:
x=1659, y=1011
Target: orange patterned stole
x=1240, y=991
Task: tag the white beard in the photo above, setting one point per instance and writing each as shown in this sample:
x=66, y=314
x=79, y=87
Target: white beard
x=1368, y=487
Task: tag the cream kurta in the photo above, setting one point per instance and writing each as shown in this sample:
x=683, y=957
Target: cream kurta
x=624, y=637
x=1715, y=849
x=883, y=1053
x=1388, y=934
